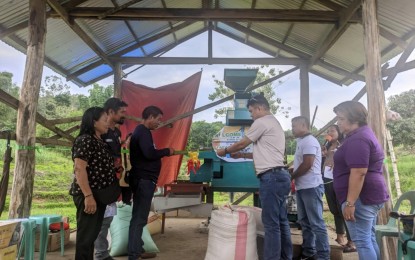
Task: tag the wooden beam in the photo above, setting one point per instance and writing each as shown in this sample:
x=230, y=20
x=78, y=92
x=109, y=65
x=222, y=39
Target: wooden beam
x=220, y=101
x=272, y=79
x=392, y=38
x=340, y=71
x=117, y=9
x=131, y=48
x=65, y=120
x=78, y=30
x=376, y=97
x=401, y=61
x=291, y=50
x=304, y=92
x=197, y=14
x=40, y=140
x=68, y=131
x=24, y=171
x=12, y=102
x=158, y=52
x=210, y=41
x=204, y=60
x=117, y=79
x=337, y=31
x=386, y=50
x=404, y=67
x=332, y=5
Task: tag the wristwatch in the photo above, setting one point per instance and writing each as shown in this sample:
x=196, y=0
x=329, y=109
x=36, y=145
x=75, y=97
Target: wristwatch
x=348, y=204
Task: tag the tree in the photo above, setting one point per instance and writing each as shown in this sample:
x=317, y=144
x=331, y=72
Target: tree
x=201, y=134
x=403, y=131
x=8, y=115
x=99, y=94
x=264, y=73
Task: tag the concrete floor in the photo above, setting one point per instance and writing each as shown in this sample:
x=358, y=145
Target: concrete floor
x=183, y=240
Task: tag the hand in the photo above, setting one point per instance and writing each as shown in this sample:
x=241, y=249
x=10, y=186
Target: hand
x=90, y=205
x=171, y=151
x=348, y=213
x=221, y=152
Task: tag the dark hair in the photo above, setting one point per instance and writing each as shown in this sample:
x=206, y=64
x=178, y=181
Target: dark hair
x=354, y=111
x=258, y=100
x=151, y=111
x=339, y=139
x=115, y=104
x=88, y=119
x=302, y=119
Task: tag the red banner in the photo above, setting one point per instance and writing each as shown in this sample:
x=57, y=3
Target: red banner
x=173, y=99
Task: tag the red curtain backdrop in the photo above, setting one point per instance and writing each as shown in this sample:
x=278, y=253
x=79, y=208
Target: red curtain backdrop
x=173, y=99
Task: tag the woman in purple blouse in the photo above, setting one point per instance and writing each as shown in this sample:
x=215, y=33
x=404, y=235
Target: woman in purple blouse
x=357, y=177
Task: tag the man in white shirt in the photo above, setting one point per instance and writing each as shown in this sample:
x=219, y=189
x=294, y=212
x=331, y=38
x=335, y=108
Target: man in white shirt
x=268, y=141
x=309, y=191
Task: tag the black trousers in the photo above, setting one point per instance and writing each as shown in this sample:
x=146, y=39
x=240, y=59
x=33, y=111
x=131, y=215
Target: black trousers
x=88, y=228
x=335, y=208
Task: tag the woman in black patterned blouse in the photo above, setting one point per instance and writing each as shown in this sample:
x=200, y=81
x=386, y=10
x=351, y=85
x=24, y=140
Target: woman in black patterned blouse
x=93, y=169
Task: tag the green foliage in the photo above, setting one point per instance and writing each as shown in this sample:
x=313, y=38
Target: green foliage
x=8, y=115
x=403, y=131
x=201, y=134
x=264, y=73
x=99, y=94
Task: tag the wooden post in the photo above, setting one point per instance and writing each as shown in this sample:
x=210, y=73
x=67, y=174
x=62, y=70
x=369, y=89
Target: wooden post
x=117, y=80
x=304, y=92
x=376, y=96
x=24, y=172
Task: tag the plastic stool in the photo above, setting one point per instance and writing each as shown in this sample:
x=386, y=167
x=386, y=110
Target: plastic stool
x=28, y=239
x=44, y=221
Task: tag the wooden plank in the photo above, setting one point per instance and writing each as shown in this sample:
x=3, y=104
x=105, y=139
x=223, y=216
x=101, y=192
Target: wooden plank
x=40, y=140
x=68, y=131
x=117, y=79
x=376, y=96
x=78, y=30
x=65, y=120
x=332, y=5
x=336, y=32
x=24, y=171
x=304, y=92
x=204, y=60
x=200, y=14
x=13, y=29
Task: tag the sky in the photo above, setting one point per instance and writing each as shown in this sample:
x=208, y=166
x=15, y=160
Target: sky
x=323, y=93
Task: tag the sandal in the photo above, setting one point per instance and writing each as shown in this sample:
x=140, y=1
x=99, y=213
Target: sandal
x=349, y=249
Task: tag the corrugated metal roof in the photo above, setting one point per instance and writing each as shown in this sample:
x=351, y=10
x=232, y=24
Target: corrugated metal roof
x=68, y=55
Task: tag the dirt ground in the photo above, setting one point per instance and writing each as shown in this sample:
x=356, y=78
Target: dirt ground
x=182, y=240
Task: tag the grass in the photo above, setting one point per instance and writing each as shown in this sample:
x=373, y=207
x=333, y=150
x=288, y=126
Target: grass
x=54, y=175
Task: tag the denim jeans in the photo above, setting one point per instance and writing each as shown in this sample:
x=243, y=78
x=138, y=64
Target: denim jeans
x=273, y=191
x=101, y=243
x=143, y=191
x=362, y=231
x=310, y=217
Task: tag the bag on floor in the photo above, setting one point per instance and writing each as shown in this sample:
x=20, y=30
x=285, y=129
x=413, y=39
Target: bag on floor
x=119, y=233
x=232, y=235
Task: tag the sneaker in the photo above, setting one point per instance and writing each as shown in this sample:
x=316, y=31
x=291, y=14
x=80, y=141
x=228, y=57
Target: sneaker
x=146, y=255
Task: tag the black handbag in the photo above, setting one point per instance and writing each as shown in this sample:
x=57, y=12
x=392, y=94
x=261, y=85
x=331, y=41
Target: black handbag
x=107, y=195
